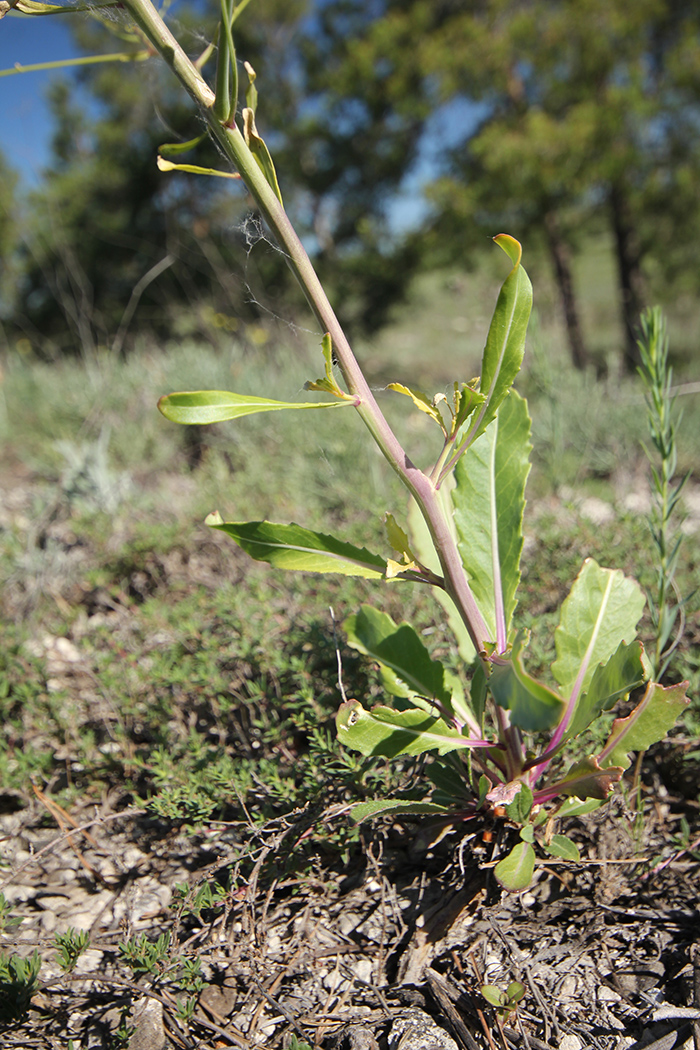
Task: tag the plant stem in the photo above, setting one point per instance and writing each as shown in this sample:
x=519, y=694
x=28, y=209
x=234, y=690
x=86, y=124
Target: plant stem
x=421, y=487
x=657, y=376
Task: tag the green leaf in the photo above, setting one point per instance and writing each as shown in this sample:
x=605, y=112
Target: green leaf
x=174, y=149
x=383, y=731
x=194, y=169
x=601, y=611
x=406, y=664
x=519, y=809
x=494, y=995
x=259, y=149
x=587, y=779
x=397, y=538
x=489, y=502
x=575, y=807
x=33, y=7
x=251, y=94
x=505, y=343
x=532, y=705
x=563, y=847
x=466, y=401
x=293, y=547
x=649, y=722
x=449, y=775
x=514, y=872
x=328, y=384
x=479, y=692
x=380, y=808
x=216, y=406
x=612, y=681
x=420, y=400
x=515, y=992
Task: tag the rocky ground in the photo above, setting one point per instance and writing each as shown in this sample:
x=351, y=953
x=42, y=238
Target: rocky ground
x=390, y=952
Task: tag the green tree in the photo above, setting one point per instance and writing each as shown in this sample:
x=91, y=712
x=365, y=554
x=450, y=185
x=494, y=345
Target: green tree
x=9, y=233
x=360, y=111
x=115, y=245
x=588, y=110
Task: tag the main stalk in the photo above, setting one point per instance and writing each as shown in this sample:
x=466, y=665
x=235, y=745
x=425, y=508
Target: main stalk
x=232, y=142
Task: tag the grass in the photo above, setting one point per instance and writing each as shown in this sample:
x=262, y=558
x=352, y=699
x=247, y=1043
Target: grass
x=109, y=499
x=215, y=664
x=146, y=660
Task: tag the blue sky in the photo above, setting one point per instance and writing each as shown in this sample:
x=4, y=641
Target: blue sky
x=25, y=124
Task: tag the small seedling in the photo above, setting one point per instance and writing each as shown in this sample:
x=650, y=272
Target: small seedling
x=7, y=919
x=296, y=1044
x=19, y=981
x=144, y=956
x=505, y=1002
x=71, y=946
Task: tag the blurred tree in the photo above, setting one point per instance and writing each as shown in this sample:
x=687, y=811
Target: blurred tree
x=9, y=233
x=588, y=108
x=538, y=116
x=114, y=245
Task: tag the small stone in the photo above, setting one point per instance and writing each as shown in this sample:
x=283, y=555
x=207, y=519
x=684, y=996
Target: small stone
x=362, y=969
x=596, y=510
x=416, y=1030
x=147, y=1021
x=334, y=981
x=89, y=962
x=52, y=904
x=608, y=995
x=570, y=1042
x=48, y=922
x=15, y=894
x=348, y=922
x=355, y=1037
x=568, y=987
x=221, y=998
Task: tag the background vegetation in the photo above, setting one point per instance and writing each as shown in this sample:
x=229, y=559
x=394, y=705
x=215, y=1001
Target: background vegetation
x=404, y=131
x=571, y=124
x=145, y=661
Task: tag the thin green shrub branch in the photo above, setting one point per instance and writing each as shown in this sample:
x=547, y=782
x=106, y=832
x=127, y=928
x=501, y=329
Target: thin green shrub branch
x=663, y=420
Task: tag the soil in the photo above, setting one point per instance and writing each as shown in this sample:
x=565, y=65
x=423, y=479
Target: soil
x=362, y=957
x=385, y=950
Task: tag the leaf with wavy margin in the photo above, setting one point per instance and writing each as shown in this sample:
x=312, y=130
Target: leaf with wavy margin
x=533, y=707
x=397, y=807
x=489, y=503
x=650, y=721
x=383, y=731
x=602, y=610
x=585, y=779
x=611, y=682
x=401, y=653
x=293, y=547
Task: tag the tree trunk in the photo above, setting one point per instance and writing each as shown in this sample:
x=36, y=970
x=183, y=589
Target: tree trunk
x=629, y=269
x=561, y=260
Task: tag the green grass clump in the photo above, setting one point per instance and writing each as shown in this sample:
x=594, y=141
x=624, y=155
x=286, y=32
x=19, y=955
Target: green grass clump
x=208, y=685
